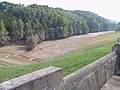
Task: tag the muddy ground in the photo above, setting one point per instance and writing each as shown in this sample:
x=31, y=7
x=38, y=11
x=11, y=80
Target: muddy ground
x=17, y=55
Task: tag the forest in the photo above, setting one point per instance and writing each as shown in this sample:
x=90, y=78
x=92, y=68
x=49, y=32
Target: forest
x=49, y=23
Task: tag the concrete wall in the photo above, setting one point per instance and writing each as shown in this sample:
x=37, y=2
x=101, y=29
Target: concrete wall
x=45, y=79
x=91, y=77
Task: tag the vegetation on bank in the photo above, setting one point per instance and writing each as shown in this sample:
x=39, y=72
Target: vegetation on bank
x=68, y=63
x=52, y=23
x=118, y=27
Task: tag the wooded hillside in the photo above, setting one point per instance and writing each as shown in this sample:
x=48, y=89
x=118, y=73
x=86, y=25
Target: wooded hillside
x=48, y=22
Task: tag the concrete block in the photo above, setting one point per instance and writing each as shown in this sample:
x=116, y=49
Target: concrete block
x=101, y=76
x=40, y=80
x=83, y=86
x=93, y=82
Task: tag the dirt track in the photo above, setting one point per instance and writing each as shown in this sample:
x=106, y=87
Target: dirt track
x=17, y=55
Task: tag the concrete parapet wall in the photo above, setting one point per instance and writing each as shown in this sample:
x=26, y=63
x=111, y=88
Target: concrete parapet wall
x=93, y=76
x=45, y=79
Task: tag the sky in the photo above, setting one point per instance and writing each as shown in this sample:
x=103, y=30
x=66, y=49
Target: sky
x=105, y=8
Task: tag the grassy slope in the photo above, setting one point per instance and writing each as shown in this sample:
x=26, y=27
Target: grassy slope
x=68, y=63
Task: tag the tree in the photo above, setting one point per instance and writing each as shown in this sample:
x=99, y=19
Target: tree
x=2, y=27
x=14, y=25
x=28, y=26
x=20, y=25
x=118, y=27
x=50, y=22
x=113, y=26
x=85, y=28
x=38, y=26
x=93, y=24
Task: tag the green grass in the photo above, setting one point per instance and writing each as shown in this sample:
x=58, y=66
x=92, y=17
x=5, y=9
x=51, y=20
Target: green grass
x=68, y=63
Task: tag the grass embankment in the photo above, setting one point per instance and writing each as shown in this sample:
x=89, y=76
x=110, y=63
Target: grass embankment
x=68, y=63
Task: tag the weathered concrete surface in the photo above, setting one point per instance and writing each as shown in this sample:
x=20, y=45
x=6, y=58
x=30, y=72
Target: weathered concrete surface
x=93, y=76
x=112, y=84
x=45, y=79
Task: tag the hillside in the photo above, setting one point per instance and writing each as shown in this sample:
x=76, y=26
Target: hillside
x=31, y=24
x=95, y=22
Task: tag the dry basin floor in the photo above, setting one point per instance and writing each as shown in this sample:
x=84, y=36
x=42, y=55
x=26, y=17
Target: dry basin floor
x=17, y=55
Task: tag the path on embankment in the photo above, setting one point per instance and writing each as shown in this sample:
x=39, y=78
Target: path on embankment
x=17, y=55
x=112, y=84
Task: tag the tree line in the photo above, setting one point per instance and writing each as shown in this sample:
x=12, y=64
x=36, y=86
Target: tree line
x=51, y=23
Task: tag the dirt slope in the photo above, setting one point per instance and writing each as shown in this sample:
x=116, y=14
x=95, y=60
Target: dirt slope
x=17, y=55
